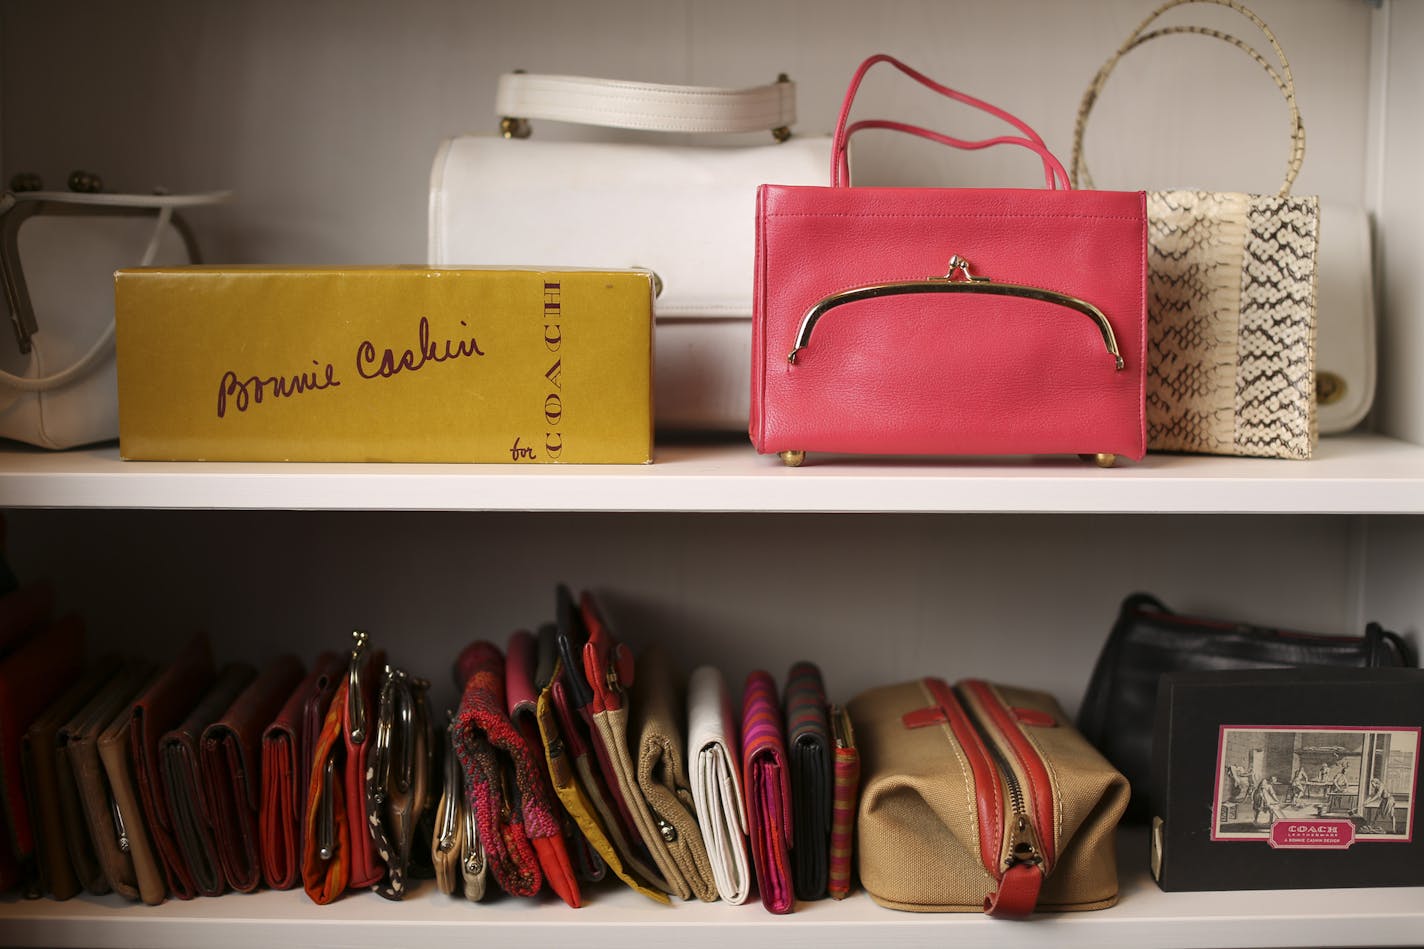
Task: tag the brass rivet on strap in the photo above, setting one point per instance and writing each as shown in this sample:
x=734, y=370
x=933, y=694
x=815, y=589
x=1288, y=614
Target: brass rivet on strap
x=781, y=133
x=511, y=127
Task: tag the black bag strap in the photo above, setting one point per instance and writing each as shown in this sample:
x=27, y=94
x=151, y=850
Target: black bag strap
x=1386, y=648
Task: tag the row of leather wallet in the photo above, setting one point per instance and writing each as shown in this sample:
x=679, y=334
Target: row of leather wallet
x=572, y=760
x=567, y=762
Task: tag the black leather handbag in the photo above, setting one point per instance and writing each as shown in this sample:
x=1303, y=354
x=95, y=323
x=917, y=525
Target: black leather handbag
x=1148, y=640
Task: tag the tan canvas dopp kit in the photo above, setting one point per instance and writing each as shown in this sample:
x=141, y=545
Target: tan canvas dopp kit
x=384, y=364
x=982, y=797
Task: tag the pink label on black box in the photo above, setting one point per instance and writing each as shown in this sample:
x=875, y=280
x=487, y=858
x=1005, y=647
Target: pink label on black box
x=1312, y=835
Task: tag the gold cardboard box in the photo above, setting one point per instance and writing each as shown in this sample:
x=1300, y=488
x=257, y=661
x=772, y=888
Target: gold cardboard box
x=384, y=364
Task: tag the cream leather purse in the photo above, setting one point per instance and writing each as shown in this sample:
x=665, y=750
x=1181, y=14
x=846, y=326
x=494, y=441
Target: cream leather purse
x=58, y=254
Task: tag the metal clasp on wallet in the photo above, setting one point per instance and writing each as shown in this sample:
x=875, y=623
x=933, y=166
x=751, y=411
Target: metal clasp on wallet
x=381, y=754
x=454, y=791
x=119, y=829
x=326, y=813
x=355, y=704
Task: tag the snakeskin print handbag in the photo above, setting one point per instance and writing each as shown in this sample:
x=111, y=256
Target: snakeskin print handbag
x=1231, y=307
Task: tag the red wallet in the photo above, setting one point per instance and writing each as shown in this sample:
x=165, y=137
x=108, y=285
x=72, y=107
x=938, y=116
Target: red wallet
x=180, y=764
x=482, y=737
x=367, y=868
x=287, y=748
x=542, y=817
x=338, y=852
x=844, y=795
x=231, y=761
x=768, y=792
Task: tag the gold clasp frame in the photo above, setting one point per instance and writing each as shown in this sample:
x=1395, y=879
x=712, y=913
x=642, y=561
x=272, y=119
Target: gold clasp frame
x=948, y=284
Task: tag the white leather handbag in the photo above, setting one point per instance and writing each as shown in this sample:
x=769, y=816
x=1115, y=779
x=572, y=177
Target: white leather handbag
x=58, y=254
x=686, y=212
x=1345, y=300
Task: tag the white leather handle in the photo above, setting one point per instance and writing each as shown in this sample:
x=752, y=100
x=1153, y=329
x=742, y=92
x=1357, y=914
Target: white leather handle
x=648, y=106
x=157, y=201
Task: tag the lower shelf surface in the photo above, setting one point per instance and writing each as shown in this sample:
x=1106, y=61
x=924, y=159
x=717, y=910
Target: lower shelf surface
x=613, y=917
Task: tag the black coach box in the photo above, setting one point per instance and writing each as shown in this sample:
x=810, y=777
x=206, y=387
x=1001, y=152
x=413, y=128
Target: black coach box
x=1287, y=778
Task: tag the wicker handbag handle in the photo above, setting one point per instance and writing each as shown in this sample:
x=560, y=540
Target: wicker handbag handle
x=1282, y=78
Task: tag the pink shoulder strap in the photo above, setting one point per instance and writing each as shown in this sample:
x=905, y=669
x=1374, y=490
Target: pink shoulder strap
x=1054, y=173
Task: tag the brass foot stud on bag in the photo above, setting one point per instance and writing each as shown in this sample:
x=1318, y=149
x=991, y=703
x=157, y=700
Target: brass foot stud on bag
x=793, y=459
x=1103, y=459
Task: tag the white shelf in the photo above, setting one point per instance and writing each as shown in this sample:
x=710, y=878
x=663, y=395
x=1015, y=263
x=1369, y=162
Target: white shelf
x=617, y=918
x=1365, y=474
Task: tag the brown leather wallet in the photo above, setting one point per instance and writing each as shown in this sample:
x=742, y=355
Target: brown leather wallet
x=179, y=765
x=162, y=707
x=658, y=703
x=231, y=769
x=109, y=838
x=287, y=747
x=31, y=678
x=49, y=785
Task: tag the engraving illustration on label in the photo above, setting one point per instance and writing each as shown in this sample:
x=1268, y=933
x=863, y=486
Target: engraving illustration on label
x=1313, y=787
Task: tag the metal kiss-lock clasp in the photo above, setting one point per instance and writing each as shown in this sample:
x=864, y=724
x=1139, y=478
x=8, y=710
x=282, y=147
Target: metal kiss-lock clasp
x=971, y=284
x=355, y=697
x=454, y=789
x=958, y=264
x=326, y=812
x=385, y=725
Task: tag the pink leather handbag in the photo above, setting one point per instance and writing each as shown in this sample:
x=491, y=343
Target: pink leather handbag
x=948, y=321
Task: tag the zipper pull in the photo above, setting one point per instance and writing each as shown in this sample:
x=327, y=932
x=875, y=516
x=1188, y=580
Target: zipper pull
x=1022, y=877
x=1023, y=843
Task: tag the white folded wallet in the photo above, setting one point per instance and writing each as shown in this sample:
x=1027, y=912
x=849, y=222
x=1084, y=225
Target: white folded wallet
x=716, y=784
